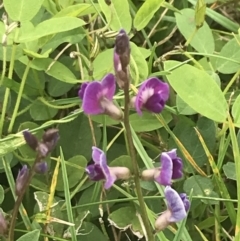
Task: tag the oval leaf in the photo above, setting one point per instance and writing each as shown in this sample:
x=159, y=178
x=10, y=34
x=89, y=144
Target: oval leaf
x=52, y=26
x=146, y=13
x=117, y=14
x=231, y=51
x=202, y=40
x=31, y=236
x=198, y=90
x=236, y=111
x=22, y=10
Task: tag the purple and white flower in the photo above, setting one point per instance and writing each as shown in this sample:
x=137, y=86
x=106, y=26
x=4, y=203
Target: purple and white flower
x=152, y=96
x=178, y=206
x=171, y=168
x=101, y=171
x=97, y=97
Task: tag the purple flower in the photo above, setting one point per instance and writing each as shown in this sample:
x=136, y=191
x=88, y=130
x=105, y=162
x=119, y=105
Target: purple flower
x=121, y=58
x=171, y=168
x=178, y=206
x=152, y=95
x=98, y=97
x=100, y=170
x=21, y=179
x=30, y=139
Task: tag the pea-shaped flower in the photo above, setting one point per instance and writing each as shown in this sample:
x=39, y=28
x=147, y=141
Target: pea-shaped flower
x=171, y=168
x=101, y=171
x=152, y=96
x=178, y=206
x=97, y=97
x=21, y=179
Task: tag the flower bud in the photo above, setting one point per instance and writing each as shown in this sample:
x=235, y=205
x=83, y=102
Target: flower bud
x=30, y=139
x=41, y=167
x=21, y=179
x=3, y=224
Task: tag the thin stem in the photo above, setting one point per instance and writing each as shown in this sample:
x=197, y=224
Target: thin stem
x=19, y=200
x=132, y=153
x=7, y=91
x=14, y=115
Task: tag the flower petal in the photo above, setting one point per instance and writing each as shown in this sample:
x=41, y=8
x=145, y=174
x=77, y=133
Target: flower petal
x=108, y=86
x=91, y=99
x=96, y=154
x=159, y=87
x=109, y=177
x=177, y=168
x=165, y=176
x=185, y=200
x=95, y=172
x=81, y=91
x=175, y=205
x=155, y=103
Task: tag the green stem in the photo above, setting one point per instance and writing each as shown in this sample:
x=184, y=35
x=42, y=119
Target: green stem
x=10, y=73
x=14, y=115
x=19, y=200
x=132, y=153
x=4, y=64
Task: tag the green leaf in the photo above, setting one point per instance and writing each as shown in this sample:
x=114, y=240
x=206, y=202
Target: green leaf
x=231, y=51
x=201, y=186
x=117, y=14
x=138, y=64
x=230, y=170
x=200, y=11
x=91, y=232
x=77, y=10
x=39, y=111
x=146, y=13
x=198, y=90
x=33, y=54
x=186, y=134
x=148, y=121
x=57, y=88
x=108, y=120
x=57, y=70
x=22, y=10
x=202, y=40
x=1, y=194
x=81, y=142
x=75, y=169
x=236, y=111
x=122, y=161
x=52, y=26
x=30, y=236
x=183, y=108
x=124, y=218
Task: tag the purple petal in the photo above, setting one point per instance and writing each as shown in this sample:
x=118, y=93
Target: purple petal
x=41, y=167
x=30, y=139
x=155, y=103
x=172, y=153
x=175, y=205
x=109, y=177
x=81, y=91
x=95, y=172
x=153, y=91
x=159, y=87
x=91, y=99
x=177, y=168
x=185, y=200
x=116, y=62
x=96, y=154
x=108, y=86
x=165, y=176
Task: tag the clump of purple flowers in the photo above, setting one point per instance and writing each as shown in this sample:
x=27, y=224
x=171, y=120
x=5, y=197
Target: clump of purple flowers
x=97, y=98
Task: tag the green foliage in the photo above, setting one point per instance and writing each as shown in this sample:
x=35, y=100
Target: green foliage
x=49, y=48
